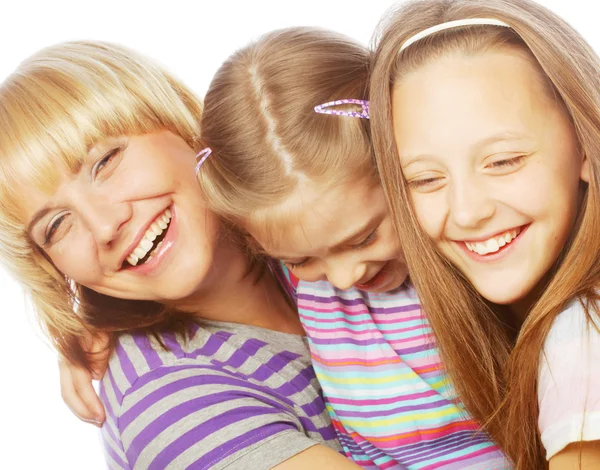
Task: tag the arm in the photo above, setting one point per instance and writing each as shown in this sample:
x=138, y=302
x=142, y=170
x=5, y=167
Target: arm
x=584, y=456
x=569, y=390
x=76, y=386
x=319, y=457
x=78, y=393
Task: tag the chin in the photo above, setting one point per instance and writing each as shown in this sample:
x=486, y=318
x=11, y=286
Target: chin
x=507, y=296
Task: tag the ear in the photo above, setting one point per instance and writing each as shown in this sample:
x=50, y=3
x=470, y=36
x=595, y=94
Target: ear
x=584, y=175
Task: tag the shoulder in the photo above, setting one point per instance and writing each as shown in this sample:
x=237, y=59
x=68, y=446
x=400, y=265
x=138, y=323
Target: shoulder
x=569, y=378
x=207, y=402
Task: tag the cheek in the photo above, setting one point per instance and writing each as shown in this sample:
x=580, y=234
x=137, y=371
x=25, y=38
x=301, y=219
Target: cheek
x=75, y=258
x=545, y=191
x=389, y=242
x=430, y=210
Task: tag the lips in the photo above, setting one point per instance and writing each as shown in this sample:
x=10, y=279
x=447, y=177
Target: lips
x=148, y=241
x=375, y=281
x=494, y=248
x=493, y=244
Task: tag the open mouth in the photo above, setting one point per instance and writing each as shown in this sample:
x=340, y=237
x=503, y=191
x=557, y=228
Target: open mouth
x=374, y=281
x=151, y=241
x=494, y=244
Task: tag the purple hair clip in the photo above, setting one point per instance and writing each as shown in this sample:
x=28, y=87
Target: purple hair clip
x=201, y=157
x=364, y=114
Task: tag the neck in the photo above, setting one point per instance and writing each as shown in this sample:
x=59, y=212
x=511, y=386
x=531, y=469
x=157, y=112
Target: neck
x=521, y=308
x=233, y=294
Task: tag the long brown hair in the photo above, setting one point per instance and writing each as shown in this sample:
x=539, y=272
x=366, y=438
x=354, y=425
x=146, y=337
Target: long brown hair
x=496, y=376
x=259, y=120
x=52, y=108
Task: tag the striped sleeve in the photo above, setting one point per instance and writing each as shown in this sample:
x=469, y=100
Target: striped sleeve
x=285, y=277
x=202, y=416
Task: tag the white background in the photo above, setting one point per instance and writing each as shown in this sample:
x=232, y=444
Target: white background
x=191, y=38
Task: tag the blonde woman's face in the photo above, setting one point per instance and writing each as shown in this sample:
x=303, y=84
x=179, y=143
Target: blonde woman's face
x=493, y=168
x=131, y=223
x=342, y=234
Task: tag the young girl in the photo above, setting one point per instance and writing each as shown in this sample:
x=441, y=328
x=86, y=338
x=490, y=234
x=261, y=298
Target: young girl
x=304, y=185
x=104, y=224
x=487, y=119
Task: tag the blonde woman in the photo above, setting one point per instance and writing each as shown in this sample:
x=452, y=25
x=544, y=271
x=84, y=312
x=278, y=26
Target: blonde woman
x=104, y=224
x=486, y=121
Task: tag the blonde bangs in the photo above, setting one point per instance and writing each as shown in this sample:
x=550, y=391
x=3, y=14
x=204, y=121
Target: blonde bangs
x=66, y=98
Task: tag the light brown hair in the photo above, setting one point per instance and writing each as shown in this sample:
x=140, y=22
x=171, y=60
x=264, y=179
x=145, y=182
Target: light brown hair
x=53, y=108
x=494, y=372
x=259, y=120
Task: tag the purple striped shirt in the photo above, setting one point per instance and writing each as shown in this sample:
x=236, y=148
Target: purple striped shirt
x=232, y=396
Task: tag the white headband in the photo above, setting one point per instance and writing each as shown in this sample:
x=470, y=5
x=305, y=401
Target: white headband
x=449, y=25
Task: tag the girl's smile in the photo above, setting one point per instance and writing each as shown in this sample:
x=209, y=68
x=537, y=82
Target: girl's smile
x=493, y=167
x=131, y=222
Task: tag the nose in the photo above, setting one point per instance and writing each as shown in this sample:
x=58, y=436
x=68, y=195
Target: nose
x=344, y=273
x=470, y=203
x=104, y=218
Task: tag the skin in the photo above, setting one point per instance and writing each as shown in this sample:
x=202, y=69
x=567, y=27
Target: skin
x=97, y=215
x=352, y=212
x=485, y=149
x=91, y=221
x=341, y=233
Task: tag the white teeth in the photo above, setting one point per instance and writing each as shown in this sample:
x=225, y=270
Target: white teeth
x=146, y=243
x=493, y=244
x=139, y=252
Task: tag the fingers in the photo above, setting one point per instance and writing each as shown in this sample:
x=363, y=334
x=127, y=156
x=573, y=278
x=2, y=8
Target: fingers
x=79, y=394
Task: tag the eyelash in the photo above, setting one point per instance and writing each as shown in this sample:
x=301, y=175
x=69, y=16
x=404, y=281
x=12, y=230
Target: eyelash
x=52, y=229
x=422, y=183
x=508, y=162
x=367, y=241
x=293, y=266
x=105, y=160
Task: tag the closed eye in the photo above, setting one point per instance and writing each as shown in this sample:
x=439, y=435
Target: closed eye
x=424, y=182
x=507, y=162
x=105, y=161
x=53, y=227
x=296, y=264
x=367, y=241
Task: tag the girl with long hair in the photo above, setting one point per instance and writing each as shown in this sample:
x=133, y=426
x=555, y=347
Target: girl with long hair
x=486, y=129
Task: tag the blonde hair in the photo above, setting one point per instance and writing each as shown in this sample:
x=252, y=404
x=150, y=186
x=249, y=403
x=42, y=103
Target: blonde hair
x=56, y=105
x=496, y=377
x=259, y=120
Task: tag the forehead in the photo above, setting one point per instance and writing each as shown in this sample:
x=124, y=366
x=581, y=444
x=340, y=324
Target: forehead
x=317, y=217
x=459, y=97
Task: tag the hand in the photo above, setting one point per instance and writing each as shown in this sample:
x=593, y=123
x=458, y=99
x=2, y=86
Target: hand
x=79, y=394
x=76, y=381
